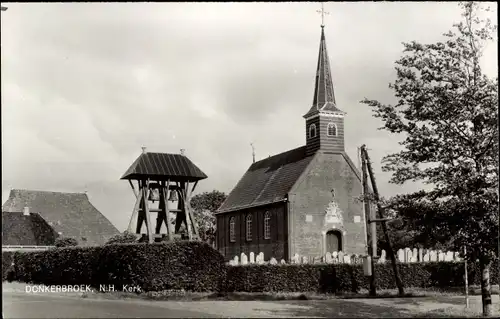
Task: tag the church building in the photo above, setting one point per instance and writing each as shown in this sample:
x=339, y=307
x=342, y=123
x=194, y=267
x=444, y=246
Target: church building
x=303, y=201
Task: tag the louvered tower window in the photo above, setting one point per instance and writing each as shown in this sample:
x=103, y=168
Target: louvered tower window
x=332, y=129
x=312, y=130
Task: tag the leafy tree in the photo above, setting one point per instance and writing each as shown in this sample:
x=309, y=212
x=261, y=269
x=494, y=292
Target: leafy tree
x=204, y=206
x=123, y=238
x=447, y=113
x=66, y=242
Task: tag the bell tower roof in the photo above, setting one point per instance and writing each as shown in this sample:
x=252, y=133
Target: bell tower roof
x=324, y=95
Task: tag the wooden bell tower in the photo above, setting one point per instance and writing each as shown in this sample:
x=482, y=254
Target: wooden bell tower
x=164, y=185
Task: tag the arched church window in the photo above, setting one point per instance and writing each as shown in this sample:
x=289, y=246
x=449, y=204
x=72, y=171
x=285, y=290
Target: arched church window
x=232, y=235
x=267, y=225
x=248, y=227
x=312, y=130
x=332, y=129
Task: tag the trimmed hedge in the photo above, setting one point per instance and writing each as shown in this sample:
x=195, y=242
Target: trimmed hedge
x=327, y=278
x=192, y=266
x=196, y=266
x=123, y=238
x=7, y=257
x=66, y=242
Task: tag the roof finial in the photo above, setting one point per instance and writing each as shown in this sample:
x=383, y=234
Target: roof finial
x=323, y=12
x=182, y=151
x=253, y=153
x=143, y=150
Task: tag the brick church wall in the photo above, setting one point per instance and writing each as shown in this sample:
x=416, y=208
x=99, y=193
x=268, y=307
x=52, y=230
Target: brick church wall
x=312, y=195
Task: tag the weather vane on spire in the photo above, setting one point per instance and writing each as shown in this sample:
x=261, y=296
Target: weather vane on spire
x=323, y=12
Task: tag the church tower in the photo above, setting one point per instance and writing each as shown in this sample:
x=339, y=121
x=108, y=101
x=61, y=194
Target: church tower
x=324, y=121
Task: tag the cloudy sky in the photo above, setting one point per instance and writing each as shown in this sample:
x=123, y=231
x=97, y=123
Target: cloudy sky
x=85, y=85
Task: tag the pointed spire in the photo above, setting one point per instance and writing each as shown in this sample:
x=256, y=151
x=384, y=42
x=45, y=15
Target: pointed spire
x=323, y=91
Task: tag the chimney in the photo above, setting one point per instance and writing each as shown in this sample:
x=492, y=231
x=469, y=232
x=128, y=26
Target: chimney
x=26, y=211
x=144, y=150
x=182, y=151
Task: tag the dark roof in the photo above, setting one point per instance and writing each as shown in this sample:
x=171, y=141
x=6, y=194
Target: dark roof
x=162, y=166
x=31, y=230
x=72, y=214
x=267, y=181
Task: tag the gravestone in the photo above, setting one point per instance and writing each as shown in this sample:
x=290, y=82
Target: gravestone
x=296, y=259
x=328, y=258
x=401, y=255
x=236, y=260
x=305, y=260
x=434, y=256
x=448, y=256
x=340, y=256
x=414, y=253
x=283, y=261
x=347, y=259
x=317, y=260
x=420, y=255
x=273, y=261
x=261, y=254
x=456, y=256
x=244, y=259
x=252, y=257
x=427, y=257
x=441, y=256
x=383, y=257
x=408, y=255
x=231, y=262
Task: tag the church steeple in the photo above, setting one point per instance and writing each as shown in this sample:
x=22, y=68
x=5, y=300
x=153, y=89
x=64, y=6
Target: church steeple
x=324, y=95
x=324, y=120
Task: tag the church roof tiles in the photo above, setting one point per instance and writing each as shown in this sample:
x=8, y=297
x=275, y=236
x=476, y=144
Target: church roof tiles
x=267, y=181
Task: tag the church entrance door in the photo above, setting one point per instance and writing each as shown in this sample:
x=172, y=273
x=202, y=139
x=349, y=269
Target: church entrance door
x=333, y=241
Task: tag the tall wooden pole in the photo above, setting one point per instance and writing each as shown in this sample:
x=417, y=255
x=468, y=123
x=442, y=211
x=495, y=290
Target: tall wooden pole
x=466, y=280
x=399, y=283
x=372, y=242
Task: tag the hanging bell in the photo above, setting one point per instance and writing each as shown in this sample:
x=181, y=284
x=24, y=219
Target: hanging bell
x=154, y=195
x=173, y=196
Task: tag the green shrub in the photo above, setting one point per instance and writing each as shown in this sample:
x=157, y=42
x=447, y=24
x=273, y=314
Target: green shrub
x=188, y=265
x=328, y=278
x=66, y=242
x=123, y=238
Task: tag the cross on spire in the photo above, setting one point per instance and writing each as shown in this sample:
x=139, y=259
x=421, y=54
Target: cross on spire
x=323, y=13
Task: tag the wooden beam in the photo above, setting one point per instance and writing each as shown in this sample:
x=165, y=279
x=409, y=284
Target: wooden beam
x=146, y=211
x=170, y=231
x=190, y=210
x=161, y=211
x=188, y=221
x=172, y=210
x=135, y=211
x=133, y=188
x=192, y=190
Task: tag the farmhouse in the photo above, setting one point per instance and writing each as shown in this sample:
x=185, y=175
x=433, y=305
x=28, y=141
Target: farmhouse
x=36, y=218
x=302, y=201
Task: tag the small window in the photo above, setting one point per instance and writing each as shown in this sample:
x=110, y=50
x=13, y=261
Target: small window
x=312, y=130
x=332, y=129
x=249, y=227
x=267, y=225
x=232, y=236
